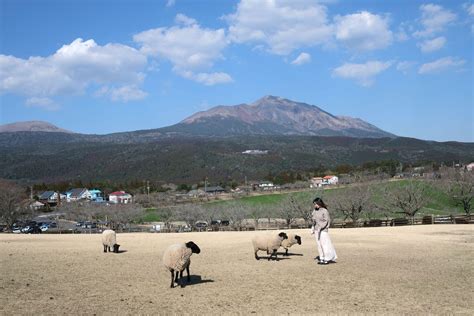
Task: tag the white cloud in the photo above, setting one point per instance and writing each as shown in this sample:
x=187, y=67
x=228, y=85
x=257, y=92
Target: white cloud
x=405, y=66
x=183, y=19
x=440, y=65
x=122, y=94
x=189, y=47
x=469, y=8
x=43, y=103
x=434, y=19
x=303, y=58
x=170, y=3
x=208, y=79
x=71, y=70
x=282, y=26
x=435, y=44
x=363, y=74
x=363, y=31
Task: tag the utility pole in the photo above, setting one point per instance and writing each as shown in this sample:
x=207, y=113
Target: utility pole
x=205, y=185
x=147, y=187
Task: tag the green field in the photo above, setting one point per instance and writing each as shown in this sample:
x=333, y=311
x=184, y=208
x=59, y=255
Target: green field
x=438, y=202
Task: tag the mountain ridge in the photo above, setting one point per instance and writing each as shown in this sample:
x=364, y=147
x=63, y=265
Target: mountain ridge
x=278, y=116
x=32, y=126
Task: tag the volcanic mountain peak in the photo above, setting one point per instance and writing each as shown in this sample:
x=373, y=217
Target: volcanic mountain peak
x=278, y=116
x=31, y=126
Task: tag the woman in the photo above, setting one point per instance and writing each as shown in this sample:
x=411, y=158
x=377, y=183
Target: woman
x=321, y=221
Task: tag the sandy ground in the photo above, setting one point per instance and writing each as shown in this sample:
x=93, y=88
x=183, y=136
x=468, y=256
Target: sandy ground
x=391, y=270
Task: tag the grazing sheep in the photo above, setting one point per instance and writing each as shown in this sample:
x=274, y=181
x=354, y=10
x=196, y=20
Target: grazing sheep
x=109, y=240
x=269, y=243
x=177, y=257
x=292, y=239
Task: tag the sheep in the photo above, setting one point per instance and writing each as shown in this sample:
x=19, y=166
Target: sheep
x=292, y=239
x=268, y=243
x=109, y=240
x=177, y=257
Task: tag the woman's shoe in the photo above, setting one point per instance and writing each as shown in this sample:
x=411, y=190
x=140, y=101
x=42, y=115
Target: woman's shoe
x=323, y=262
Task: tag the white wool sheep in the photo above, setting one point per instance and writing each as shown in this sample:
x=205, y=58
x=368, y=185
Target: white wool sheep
x=269, y=243
x=177, y=257
x=292, y=239
x=109, y=240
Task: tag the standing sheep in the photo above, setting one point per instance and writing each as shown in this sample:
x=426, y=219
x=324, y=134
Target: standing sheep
x=177, y=257
x=268, y=243
x=109, y=240
x=292, y=239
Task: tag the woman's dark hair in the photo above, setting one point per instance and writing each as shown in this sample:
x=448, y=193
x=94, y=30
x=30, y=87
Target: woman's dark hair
x=320, y=202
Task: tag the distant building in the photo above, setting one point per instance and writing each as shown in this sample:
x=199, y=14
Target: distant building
x=255, y=152
x=266, y=185
x=214, y=190
x=77, y=194
x=196, y=193
x=470, y=166
x=96, y=195
x=316, y=182
x=120, y=197
x=35, y=206
x=51, y=197
x=328, y=180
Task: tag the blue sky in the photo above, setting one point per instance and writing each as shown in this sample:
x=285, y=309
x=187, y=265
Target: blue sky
x=108, y=66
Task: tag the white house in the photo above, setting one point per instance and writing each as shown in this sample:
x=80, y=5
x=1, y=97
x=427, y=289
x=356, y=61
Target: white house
x=330, y=180
x=316, y=182
x=78, y=194
x=470, y=166
x=120, y=197
x=266, y=185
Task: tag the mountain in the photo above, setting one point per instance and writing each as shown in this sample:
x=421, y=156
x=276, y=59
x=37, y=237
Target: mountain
x=272, y=115
x=31, y=126
x=54, y=157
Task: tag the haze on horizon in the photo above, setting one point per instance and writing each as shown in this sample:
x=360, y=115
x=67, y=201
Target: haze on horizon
x=102, y=67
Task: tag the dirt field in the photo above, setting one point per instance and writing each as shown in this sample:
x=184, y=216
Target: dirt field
x=395, y=270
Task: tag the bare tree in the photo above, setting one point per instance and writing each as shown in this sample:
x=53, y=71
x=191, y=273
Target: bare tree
x=290, y=209
x=13, y=203
x=354, y=201
x=236, y=215
x=459, y=185
x=409, y=197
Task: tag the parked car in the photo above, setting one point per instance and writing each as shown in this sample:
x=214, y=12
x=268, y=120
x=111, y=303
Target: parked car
x=33, y=230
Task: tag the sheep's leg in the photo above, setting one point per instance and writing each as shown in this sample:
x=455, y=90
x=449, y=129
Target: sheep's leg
x=105, y=248
x=108, y=248
x=176, y=277
x=181, y=278
x=256, y=257
x=286, y=252
x=187, y=271
x=274, y=254
x=172, y=279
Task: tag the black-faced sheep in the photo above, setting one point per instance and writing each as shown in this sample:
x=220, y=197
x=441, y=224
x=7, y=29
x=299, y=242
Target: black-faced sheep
x=177, y=257
x=292, y=239
x=109, y=240
x=269, y=243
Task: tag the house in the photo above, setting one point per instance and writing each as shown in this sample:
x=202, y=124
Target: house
x=96, y=195
x=266, y=185
x=316, y=182
x=51, y=197
x=35, y=206
x=196, y=193
x=77, y=194
x=470, y=166
x=214, y=190
x=328, y=180
x=120, y=197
